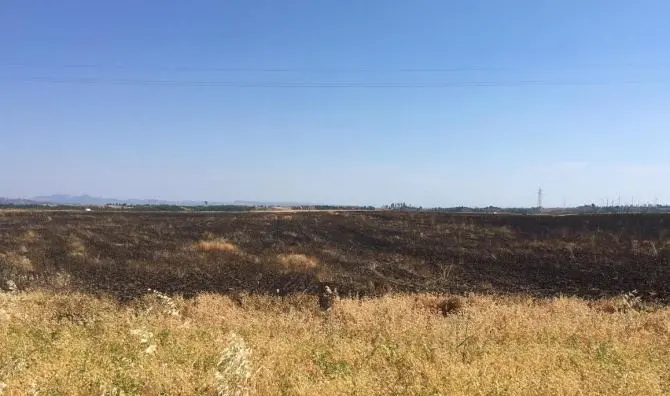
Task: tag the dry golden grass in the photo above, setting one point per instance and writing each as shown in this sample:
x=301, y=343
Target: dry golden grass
x=16, y=261
x=76, y=247
x=78, y=345
x=217, y=245
x=29, y=236
x=295, y=262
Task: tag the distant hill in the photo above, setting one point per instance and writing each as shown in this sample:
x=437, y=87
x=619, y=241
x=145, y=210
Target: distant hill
x=73, y=200
x=17, y=201
x=85, y=199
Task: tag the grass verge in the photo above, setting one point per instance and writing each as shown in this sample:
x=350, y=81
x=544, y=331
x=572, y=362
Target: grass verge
x=77, y=344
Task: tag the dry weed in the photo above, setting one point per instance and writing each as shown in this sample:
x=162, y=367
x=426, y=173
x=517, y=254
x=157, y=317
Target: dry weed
x=29, y=236
x=11, y=286
x=296, y=262
x=628, y=302
x=451, y=305
x=328, y=298
x=445, y=306
x=76, y=247
x=17, y=262
x=218, y=245
x=234, y=371
x=644, y=248
x=169, y=306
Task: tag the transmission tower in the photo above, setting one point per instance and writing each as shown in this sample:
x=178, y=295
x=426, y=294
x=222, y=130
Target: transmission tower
x=539, y=198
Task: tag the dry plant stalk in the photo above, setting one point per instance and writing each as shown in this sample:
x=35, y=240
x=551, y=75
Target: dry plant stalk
x=234, y=370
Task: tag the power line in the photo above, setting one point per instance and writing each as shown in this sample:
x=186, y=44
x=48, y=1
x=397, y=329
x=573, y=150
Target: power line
x=318, y=84
x=328, y=70
x=269, y=69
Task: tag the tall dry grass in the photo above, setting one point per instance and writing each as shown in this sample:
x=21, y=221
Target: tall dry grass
x=295, y=262
x=76, y=344
x=217, y=245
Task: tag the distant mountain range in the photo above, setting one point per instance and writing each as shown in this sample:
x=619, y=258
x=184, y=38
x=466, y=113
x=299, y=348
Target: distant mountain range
x=17, y=201
x=90, y=200
x=62, y=199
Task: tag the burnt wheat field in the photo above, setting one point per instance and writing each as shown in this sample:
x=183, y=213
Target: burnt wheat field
x=138, y=303
x=360, y=253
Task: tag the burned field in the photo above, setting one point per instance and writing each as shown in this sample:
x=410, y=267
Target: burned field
x=359, y=253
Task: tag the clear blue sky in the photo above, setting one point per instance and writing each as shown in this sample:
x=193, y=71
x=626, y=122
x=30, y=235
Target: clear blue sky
x=137, y=99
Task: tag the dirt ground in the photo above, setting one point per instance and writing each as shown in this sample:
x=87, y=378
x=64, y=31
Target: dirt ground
x=359, y=253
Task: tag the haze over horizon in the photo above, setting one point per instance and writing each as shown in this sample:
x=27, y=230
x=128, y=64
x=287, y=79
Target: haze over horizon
x=429, y=102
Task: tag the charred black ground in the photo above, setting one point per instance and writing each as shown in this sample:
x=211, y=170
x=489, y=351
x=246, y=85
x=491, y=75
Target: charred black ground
x=359, y=253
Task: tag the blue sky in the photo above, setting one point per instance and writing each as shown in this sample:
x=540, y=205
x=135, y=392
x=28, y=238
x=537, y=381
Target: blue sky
x=193, y=100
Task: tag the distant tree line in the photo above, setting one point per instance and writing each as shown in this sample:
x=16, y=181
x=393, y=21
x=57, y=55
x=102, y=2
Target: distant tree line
x=488, y=209
x=593, y=208
x=320, y=207
x=222, y=208
x=341, y=207
x=21, y=206
x=198, y=208
x=402, y=206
